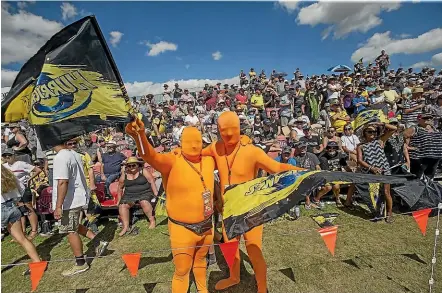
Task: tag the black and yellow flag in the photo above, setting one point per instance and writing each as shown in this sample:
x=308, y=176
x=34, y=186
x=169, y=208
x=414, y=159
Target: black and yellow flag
x=258, y=201
x=70, y=87
x=368, y=116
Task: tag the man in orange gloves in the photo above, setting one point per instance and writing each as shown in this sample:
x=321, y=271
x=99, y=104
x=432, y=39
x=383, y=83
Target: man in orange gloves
x=188, y=180
x=238, y=161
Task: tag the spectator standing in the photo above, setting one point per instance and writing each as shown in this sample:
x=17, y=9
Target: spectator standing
x=25, y=173
x=69, y=195
x=396, y=150
x=412, y=108
x=11, y=214
x=187, y=97
x=167, y=94
x=242, y=77
x=19, y=144
x=383, y=62
x=49, y=165
x=111, y=167
x=424, y=152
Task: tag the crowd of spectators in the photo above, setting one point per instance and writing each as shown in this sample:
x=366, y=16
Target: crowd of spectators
x=301, y=120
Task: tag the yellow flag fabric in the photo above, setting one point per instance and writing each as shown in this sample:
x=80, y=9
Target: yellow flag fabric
x=70, y=87
x=368, y=116
x=258, y=201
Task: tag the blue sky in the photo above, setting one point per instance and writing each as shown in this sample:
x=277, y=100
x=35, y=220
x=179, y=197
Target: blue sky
x=263, y=35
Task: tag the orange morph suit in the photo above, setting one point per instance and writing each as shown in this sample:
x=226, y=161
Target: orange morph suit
x=238, y=161
x=184, y=201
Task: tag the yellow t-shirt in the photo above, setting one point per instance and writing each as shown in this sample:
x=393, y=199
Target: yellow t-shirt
x=257, y=100
x=390, y=96
x=337, y=123
x=252, y=74
x=87, y=163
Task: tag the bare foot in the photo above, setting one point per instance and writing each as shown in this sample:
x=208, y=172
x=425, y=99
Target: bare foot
x=152, y=225
x=123, y=231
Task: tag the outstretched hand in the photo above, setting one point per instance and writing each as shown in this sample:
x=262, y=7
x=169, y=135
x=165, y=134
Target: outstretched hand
x=135, y=127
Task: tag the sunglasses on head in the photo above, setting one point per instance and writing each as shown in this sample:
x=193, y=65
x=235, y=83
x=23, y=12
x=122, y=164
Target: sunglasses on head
x=72, y=143
x=132, y=165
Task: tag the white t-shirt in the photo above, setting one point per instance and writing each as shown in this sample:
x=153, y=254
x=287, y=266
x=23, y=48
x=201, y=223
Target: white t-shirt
x=191, y=120
x=350, y=142
x=68, y=165
x=22, y=171
x=176, y=133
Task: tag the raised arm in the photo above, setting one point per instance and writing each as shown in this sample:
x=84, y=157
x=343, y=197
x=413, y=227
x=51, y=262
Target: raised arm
x=270, y=165
x=160, y=162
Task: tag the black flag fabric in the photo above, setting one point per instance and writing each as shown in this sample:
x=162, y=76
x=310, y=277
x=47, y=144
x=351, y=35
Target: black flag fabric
x=71, y=86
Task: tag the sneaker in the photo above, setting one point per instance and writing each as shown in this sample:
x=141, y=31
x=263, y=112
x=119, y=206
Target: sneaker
x=101, y=248
x=75, y=270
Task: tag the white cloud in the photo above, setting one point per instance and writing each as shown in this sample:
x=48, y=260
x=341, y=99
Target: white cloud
x=160, y=47
x=343, y=18
x=115, y=38
x=289, y=5
x=436, y=60
x=8, y=77
x=68, y=10
x=24, y=4
x=217, y=55
x=187, y=66
x=147, y=87
x=404, y=36
x=23, y=33
x=426, y=42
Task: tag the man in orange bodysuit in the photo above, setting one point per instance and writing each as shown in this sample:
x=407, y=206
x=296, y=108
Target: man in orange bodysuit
x=238, y=161
x=188, y=180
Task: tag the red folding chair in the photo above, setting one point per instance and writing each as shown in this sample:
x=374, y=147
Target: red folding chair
x=44, y=202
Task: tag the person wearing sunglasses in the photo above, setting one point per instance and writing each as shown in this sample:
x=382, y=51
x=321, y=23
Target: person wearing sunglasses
x=136, y=185
x=25, y=173
x=332, y=160
x=331, y=135
x=425, y=147
x=396, y=150
x=372, y=159
x=350, y=142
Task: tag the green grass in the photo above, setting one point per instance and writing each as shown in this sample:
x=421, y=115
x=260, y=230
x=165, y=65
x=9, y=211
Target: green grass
x=373, y=255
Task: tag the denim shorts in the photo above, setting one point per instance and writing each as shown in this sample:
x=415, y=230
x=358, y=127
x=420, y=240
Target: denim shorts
x=10, y=213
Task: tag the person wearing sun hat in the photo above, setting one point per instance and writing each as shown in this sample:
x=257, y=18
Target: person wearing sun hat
x=425, y=146
x=136, y=185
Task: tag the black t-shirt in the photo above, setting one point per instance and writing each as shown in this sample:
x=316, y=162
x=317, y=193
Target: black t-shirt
x=298, y=101
x=333, y=163
x=269, y=134
x=308, y=161
x=311, y=143
x=275, y=125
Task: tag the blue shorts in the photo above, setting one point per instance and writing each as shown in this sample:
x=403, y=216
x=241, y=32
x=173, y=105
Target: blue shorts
x=10, y=213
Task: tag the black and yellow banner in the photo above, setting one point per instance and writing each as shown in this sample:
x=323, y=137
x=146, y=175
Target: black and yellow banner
x=368, y=116
x=256, y=202
x=70, y=87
